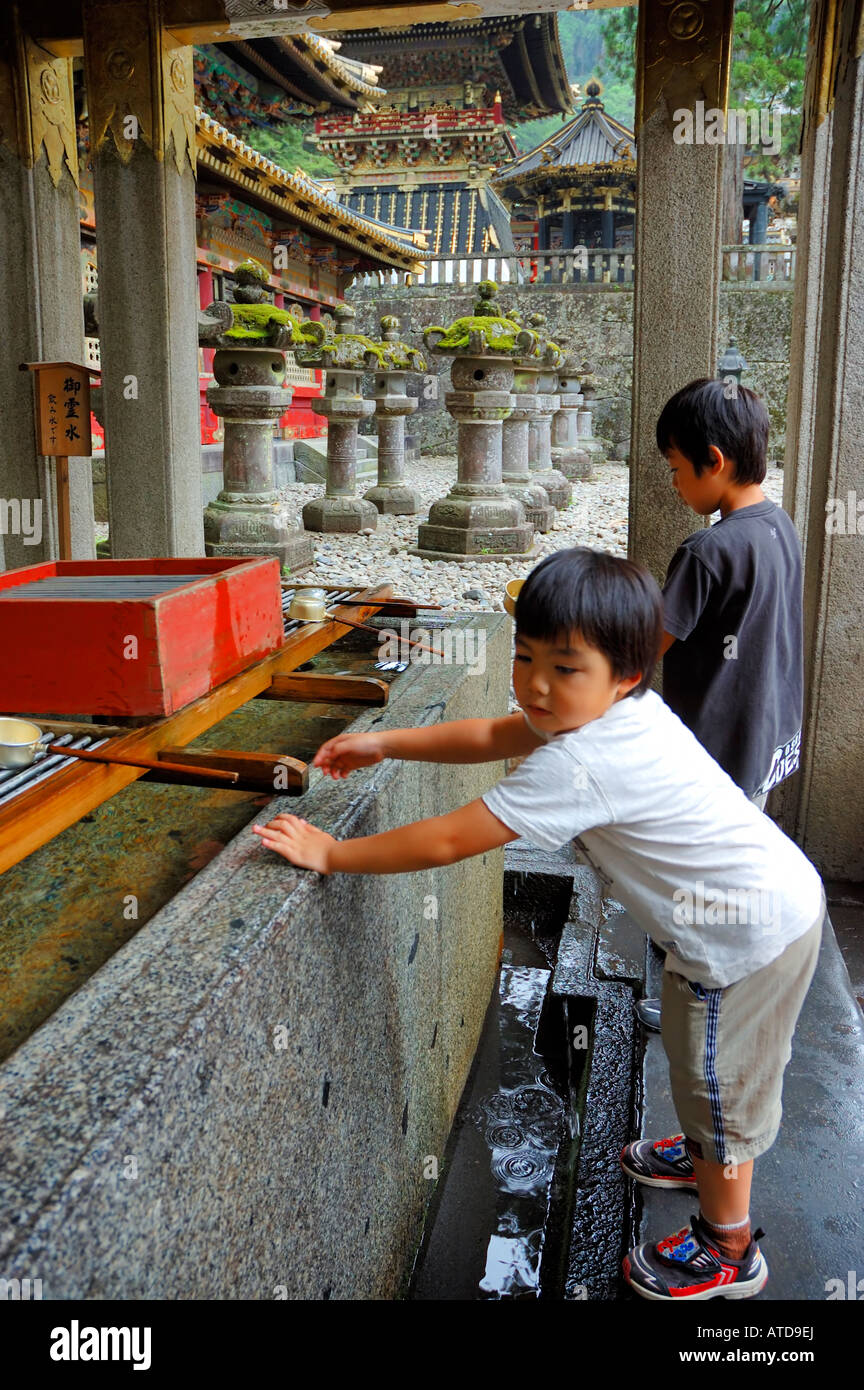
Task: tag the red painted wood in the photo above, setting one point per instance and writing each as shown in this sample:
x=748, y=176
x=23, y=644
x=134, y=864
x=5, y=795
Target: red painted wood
x=147, y=656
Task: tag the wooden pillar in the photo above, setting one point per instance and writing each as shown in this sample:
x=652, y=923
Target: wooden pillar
x=142, y=138
x=682, y=56
x=41, y=315
x=823, y=804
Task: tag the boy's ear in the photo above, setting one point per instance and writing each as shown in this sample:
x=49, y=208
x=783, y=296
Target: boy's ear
x=717, y=458
x=628, y=683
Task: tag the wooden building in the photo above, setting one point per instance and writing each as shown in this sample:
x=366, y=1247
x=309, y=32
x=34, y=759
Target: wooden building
x=426, y=155
x=247, y=206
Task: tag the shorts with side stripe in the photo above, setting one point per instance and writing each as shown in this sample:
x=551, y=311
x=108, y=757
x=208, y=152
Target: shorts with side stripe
x=728, y=1049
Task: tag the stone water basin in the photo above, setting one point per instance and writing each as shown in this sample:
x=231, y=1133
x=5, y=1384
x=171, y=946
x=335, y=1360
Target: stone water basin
x=66, y=908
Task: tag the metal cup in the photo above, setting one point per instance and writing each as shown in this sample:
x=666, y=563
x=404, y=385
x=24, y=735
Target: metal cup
x=19, y=742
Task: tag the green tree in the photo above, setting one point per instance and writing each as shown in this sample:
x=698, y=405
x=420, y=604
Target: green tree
x=768, y=60
x=768, y=63
x=283, y=144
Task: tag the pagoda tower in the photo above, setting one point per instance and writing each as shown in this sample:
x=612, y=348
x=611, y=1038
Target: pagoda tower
x=425, y=157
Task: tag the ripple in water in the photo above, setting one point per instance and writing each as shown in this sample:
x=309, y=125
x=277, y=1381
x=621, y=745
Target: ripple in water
x=534, y=1102
x=505, y=1137
x=520, y=1172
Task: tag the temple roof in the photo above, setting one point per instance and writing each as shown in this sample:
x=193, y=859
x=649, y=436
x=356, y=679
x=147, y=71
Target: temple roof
x=591, y=140
x=302, y=199
x=308, y=68
x=521, y=54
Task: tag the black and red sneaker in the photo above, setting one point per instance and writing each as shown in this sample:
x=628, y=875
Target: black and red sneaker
x=688, y=1266
x=659, y=1163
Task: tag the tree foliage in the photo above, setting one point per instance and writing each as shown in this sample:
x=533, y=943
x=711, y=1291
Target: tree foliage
x=768, y=62
x=283, y=144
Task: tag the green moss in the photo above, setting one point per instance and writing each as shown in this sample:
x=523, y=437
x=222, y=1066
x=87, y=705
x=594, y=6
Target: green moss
x=251, y=322
x=500, y=333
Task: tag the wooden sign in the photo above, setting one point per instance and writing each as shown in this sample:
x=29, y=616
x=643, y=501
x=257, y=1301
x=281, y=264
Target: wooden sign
x=62, y=409
x=62, y=429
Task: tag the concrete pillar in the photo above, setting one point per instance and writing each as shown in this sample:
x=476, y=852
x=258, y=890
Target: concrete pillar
x=823, y=804
x=392, y=493
x=682, y=56
x=142, y=138
x=478, y=518
x=41, y=316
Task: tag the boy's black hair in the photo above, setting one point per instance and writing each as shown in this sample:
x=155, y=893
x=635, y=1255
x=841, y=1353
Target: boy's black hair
x=702, y=414
x=614, y=603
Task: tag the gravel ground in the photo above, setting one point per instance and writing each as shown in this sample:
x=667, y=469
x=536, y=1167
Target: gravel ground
x=597, y=517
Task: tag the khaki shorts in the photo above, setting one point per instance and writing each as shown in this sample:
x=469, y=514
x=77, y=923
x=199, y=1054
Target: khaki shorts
x=728, y=1049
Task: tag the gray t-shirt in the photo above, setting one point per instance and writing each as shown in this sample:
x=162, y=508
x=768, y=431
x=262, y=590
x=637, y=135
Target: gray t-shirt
x=733, y=599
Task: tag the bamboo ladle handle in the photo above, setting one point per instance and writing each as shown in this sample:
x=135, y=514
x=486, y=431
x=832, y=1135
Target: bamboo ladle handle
x=97, y=756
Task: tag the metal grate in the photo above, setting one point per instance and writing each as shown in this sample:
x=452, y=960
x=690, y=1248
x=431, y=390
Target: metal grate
x=14, y=783
x=332, y=596
x=101, y=586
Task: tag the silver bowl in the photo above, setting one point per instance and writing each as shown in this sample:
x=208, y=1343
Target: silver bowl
x=19, y=742
x=309, y=605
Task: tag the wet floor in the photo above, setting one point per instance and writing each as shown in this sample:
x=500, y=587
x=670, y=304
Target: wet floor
x=66, y=908
x=485, y=1230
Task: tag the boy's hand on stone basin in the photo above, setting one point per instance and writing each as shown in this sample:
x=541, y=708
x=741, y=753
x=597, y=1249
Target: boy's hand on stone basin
x=346, y=752
x=297, y=841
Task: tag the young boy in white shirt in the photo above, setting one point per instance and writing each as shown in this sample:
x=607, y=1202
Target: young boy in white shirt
x=735, y=905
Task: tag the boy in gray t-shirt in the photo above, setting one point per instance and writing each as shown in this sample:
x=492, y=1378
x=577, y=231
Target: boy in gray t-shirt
x=735, y=904
x=733, y=667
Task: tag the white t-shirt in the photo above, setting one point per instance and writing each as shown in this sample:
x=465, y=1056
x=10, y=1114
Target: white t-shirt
x=710, y=878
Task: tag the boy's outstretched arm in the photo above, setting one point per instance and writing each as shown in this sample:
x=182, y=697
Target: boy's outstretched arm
x=425, y=844
x=457, y=741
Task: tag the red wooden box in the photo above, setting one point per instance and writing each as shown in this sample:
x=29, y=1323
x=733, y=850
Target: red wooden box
x=125, y=637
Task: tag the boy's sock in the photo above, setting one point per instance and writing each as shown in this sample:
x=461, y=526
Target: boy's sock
x=733, y=1240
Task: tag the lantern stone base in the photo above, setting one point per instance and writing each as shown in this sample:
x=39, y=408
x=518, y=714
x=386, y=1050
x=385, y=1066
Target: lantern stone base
x=473, y=520
x=394, y=499
x=233, y=529
x=342, y=514
x=535, y=501
x=558, y=487
x=576, y=463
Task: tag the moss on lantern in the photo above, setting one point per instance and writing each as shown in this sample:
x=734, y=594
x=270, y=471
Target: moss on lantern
x=252, y=321
x=500, y=335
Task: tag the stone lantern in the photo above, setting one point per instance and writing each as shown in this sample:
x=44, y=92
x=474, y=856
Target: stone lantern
x=343, y=359
x=731, y=364
x=392, y=493
x=568, y=455
x=250, y=337
x=556, y=485
x=515, y=473
x=587, y=439
x=479, y=518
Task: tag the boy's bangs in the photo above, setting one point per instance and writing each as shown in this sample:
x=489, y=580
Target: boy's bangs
x=613, y=603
